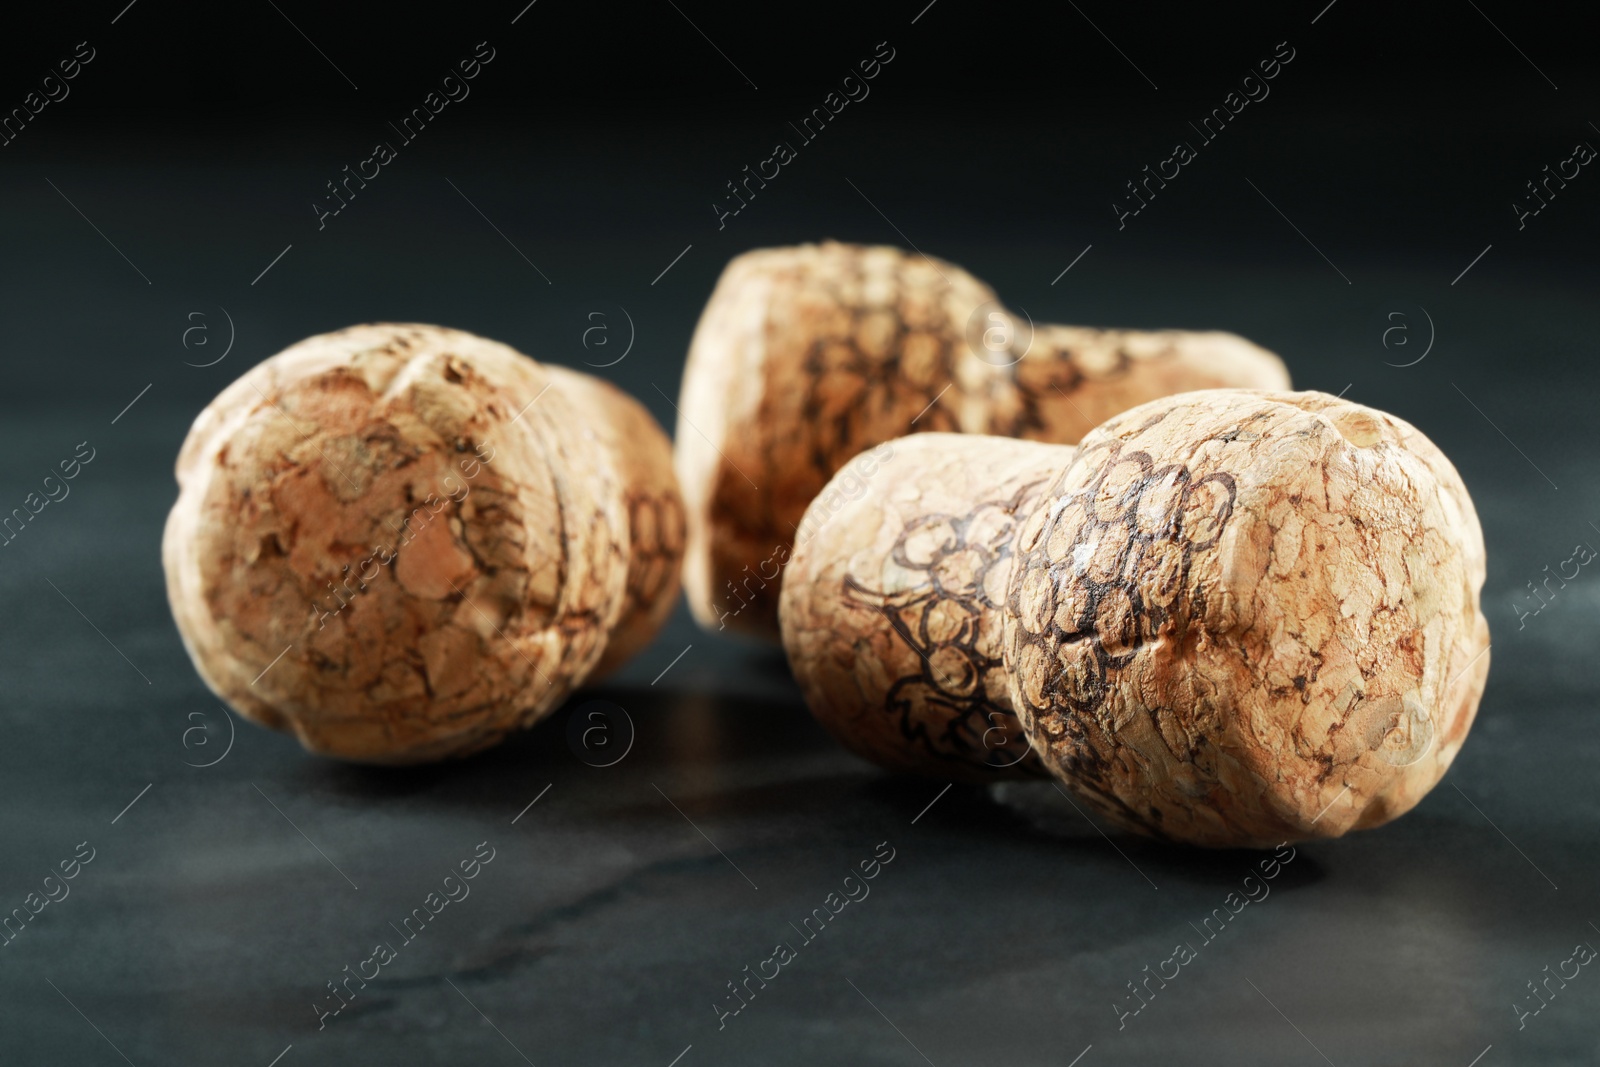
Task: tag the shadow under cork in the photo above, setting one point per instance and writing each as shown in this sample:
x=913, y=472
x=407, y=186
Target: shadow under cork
x=1048, y=813
x=608, y=735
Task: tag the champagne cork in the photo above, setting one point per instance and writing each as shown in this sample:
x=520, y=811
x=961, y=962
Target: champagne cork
x=402, y=542
x=806, y=356
x=1232, y=618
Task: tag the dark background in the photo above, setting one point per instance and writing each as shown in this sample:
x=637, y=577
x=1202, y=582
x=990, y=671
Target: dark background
x=188, y=155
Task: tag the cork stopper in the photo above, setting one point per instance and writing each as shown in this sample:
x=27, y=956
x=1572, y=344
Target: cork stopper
x=401, y=542
x=806, y=356
x=1232, y=617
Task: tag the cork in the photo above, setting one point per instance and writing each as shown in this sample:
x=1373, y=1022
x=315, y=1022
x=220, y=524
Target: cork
x=402, y=542
x=1233, y=617
x=808, y=355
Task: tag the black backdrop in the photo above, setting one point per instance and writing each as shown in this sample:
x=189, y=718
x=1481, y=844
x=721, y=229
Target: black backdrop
x=163, y=206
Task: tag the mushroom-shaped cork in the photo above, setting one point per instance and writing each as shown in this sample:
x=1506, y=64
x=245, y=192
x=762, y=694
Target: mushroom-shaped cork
x=402, y=542
x=806, y=356
x=1233, y=617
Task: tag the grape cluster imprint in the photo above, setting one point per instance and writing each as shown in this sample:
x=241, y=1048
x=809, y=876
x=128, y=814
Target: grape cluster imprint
x=1229, y=617
x=806, y=356
x=402, y=542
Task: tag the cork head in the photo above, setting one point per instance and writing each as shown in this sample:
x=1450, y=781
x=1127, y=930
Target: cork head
x=1240, y=617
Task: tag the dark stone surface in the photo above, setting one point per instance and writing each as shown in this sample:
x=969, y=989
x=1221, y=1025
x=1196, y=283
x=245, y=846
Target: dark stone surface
x=608, y=924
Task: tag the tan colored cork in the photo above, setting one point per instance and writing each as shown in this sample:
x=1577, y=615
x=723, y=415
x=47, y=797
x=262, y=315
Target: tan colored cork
x=1234, y=617
x=402, y=542
x=805, y=356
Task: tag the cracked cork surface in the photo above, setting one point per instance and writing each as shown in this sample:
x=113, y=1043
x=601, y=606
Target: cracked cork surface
x=806, y=356
x=1242, y=617
x=893, y=605
x=401, y=542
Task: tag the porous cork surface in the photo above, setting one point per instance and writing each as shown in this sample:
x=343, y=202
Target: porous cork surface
x=1242, y=617
x=401, y=542
x=807, y=355
x=893, y=604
